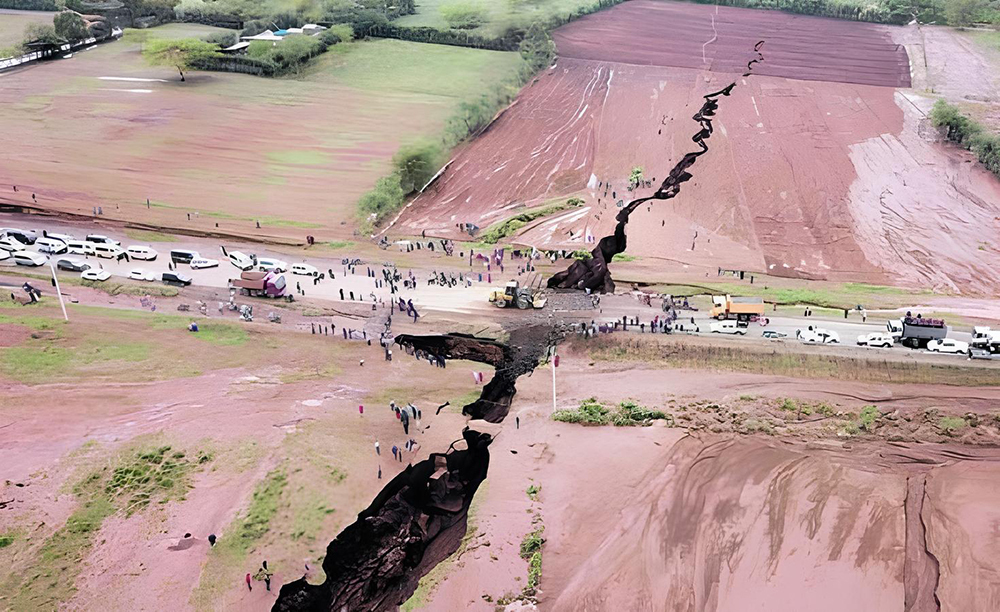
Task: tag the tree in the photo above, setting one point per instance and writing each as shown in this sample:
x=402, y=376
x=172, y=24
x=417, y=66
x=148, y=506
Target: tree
x=180, y=54
x=537, y=48
x=463, y=15
x=635, y=177
x=70, y=25
x=416, y=164
x=42, y=33
x=962, y=13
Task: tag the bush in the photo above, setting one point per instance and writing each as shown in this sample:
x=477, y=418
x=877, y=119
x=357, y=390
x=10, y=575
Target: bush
x=952, y=425
x=463, y=15
x=967, y=133
x=30, y=5
x=868, y=418
x=41, y=32
x=70, y=26
x=416, y=164
x=223, y=39
x=383, y=199
x=590, y=412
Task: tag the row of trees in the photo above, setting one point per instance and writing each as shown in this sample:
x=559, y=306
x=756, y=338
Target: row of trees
x=968, y=134
x=958, y=13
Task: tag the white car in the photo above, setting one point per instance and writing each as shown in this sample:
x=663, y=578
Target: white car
x=95, y=274
x=727, y=327
x=240, y=260
x=266, y=264
x=304, y=269
x=81, y=247
x=203, y=262
x=818, y=336
x=4, y=255
x=108, y=250
x=876, y=339
x=61, y=237
x=50, y=246
x=948, y=346
x=102, y=239
x=141, y=275
x=138, y=251
x=10, y=243
x=29, y=258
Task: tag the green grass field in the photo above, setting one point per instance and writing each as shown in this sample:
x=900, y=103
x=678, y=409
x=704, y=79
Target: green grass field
x=176, y=31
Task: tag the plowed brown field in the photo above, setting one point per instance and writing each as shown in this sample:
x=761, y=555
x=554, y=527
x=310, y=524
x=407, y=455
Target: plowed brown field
x=819, y=167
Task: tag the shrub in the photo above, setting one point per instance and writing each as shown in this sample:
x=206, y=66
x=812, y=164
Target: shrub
x=70, y=26
x=533, y=492
x=463, y=15
x=383, y=199
x=416, y=164
x=532, y=543
x=951, y=425
x=868, y=418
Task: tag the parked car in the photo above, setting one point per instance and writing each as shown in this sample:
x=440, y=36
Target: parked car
x=818, y=336
x=176, y=278
x=948, y=345
x=51, y=246
x=95, y=274
x=102, y=239
x=240, y=260
x=183, y=256
x=304, y=269
x=727, y=327
x=72, y=264
x=4, y=255
x=108, y=250
x=881, y=339
x=770, y=333
x=980, y=353
x=202, y=262
x=23, y=236
x=140, y=274
x=266, y=264
x=138, y=251
x=29, y=258
x=11, y=243
x=81, y=247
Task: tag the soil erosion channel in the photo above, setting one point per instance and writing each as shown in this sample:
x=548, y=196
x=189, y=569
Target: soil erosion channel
x=419, y=519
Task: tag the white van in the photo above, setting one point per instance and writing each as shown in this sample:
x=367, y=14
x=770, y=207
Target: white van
x=137, y=251
x=29, y=258
x=102, y=239
x=108, y=251
x=81, y=247
x=51, y=246
x=240, y=260
x=727, y=327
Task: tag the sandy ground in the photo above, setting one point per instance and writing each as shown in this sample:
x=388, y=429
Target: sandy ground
x=660, y=519
x=805, y=178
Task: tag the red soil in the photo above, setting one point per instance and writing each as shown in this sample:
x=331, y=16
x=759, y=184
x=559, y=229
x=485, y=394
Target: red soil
x=721, y=39
x=804, y=178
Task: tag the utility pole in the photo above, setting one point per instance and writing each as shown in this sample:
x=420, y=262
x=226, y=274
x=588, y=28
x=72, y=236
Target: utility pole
x=555, y=364
x=55, y=281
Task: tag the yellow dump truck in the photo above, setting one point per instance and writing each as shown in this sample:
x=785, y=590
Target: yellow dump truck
x=741, y=308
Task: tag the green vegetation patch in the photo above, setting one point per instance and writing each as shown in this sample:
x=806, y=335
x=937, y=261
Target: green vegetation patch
x=498, y=231
x=626, y=414
x=300, y=157
x=128, y=483
x=222, y=334
x=533, y=491
x=969, y=134
x=951, y=425
x=140, y=235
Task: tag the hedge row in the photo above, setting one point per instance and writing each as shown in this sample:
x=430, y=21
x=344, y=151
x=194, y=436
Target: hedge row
x=968, y=134
x=30, y=5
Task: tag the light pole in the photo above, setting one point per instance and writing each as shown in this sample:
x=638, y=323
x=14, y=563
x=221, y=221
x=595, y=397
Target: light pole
x=55, y=281
x=555, y=364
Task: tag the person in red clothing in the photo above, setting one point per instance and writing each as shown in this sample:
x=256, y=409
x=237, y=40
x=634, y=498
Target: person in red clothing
x=249, y=586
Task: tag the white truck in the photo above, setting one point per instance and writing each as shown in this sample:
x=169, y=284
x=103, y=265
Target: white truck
x=986, y=339
x=916, y=332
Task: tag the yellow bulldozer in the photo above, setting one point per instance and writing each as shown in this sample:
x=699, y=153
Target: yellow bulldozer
x=514, y=295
